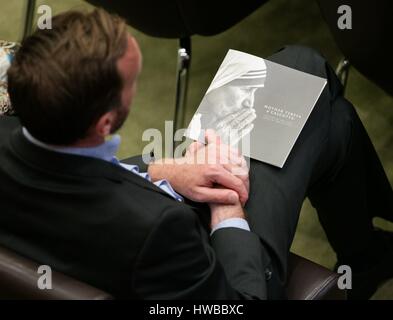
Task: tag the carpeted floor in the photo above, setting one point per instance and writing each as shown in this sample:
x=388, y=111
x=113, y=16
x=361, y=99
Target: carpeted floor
x=275, y=24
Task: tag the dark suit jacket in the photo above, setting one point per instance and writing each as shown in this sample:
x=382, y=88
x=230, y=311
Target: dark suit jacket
x=104, y=225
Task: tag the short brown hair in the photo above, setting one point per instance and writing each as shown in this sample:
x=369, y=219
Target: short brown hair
x=63, y=79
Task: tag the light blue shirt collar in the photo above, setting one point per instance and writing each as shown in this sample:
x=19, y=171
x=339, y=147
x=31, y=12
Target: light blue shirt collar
x=105, y=151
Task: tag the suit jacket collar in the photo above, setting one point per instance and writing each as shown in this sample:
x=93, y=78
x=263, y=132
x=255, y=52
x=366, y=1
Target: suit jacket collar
x=71, y=164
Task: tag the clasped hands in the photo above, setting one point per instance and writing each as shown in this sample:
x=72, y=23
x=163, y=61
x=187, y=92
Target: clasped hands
x=214, y=173
x=234, y=126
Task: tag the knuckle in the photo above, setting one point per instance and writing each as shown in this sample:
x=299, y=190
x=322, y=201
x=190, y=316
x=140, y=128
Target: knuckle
x=238, y=183
x=197, y=196
x=214, y=168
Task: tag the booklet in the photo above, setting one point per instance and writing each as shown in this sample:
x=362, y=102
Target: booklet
x=256, y=105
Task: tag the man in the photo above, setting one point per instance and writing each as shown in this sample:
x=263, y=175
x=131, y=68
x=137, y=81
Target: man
x=194, y=230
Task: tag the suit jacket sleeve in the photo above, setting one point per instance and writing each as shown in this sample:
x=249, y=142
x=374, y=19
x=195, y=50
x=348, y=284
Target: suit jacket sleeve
x=180, y=261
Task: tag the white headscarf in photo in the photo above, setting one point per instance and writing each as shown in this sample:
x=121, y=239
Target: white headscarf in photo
x=238, y=65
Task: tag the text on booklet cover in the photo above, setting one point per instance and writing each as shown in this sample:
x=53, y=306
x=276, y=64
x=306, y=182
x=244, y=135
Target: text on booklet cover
x=257, y=105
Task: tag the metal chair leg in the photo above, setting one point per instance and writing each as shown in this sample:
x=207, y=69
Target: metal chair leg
x=342, y=71
x=183, y=65
x=29, y=18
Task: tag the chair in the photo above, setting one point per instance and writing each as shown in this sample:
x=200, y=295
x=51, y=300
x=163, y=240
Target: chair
x=310, y=281
x=172, y=19
x=181, y=19
x=18, y=280
x=365, y=46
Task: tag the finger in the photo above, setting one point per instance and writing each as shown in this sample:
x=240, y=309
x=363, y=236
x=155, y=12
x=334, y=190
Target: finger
x=227, y=180
x=237, y=117
x=217, y=195
x=240, y=159
x=212, y=137
x=229, y=155
x=222, y=123
x=235, y=151
x=227, y=119
x=239, y=134
x=229, y=132
x=241, y=112
x=250, y=117
x=247, y=129
x=235, y=137
x=235, y=159
x=240, y=172
x=245, y=115
x=195, y=146
x=224, y=133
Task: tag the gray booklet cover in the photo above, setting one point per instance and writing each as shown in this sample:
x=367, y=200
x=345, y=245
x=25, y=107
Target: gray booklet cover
x=256, y=105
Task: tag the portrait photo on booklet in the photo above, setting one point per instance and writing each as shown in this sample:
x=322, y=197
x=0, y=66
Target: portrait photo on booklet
x=256, y=105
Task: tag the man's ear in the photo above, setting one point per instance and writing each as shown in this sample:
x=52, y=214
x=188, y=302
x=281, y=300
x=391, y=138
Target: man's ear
x=105, y=123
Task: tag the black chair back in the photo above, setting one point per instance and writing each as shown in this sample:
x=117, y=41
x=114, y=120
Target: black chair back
x=367, y=44
x=180, y=18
